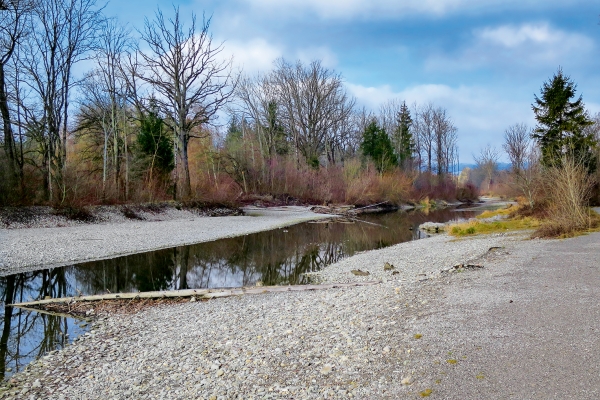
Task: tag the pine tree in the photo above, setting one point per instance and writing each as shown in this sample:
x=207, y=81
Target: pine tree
x=561, y=123
x=403, y=139
x=377, y=146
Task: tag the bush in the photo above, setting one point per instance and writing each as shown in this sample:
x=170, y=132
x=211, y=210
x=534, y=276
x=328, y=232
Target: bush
x=569, y=187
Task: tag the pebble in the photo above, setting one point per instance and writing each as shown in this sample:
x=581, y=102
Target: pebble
x=339, y=343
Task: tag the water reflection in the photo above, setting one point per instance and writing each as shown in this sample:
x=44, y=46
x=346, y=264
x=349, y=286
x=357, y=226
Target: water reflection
x=27, y=335
x=275, y=257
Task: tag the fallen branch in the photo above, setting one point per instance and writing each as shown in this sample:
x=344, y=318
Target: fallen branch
x=197, y=293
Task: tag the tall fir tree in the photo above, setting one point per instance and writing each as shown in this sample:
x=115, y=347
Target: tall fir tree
x=561, y=123
x=403, y=139
x=377, y=146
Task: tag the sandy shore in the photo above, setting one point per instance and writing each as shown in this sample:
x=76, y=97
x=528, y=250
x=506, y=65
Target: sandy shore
x=34, y=248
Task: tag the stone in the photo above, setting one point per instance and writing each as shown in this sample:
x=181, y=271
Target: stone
x=326, y=370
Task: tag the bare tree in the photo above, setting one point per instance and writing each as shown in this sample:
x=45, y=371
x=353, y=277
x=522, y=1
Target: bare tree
x=524, y=158
x=314, y=104
x=424, y=126
x=62, y=33
x=487, y=162
x=109, y=95
x=259, y=103
x=13, y=21
x=445, y=141
x=192, y=84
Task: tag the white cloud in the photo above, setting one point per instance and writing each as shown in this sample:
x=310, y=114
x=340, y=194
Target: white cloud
x=255, y=55
x=480, y=115
x=343, y=9
x=527, y=45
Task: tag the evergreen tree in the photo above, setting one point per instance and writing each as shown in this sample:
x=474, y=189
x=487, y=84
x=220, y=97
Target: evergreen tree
x=561, y=122
x=403, y=139
x=234, y=132
x=156, y=141
x=377, y=146
x=275, y=134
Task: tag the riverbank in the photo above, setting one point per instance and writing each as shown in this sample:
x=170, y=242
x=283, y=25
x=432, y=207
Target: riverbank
x=33, y=248
x=361, y=342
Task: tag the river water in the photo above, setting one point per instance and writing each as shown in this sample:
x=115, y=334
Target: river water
x=276, y=257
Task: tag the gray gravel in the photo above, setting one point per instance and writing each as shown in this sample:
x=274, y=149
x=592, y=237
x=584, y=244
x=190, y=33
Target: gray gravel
x=35, y=248
x=361, y=342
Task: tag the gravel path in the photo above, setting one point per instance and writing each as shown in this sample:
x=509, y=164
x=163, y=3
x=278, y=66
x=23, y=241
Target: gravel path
x=362, y=342
x=35, y=248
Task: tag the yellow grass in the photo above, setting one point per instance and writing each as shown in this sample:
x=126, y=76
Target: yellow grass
x=501, y=211
x=480, y=227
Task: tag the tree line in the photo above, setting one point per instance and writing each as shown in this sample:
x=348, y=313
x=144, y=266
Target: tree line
x=93, y=112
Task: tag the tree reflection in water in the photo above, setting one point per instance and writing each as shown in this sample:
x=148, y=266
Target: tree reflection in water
x=277, y=257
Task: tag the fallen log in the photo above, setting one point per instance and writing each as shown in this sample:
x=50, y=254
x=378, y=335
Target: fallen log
x=197, y=293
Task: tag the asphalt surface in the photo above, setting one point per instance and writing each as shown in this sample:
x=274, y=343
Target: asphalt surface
x=524, y=327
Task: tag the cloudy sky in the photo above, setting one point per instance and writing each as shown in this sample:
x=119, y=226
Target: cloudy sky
x=481, y=60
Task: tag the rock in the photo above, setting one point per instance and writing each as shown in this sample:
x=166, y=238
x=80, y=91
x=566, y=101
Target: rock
x=432, y=227
x=358, y=272
x=326, y=370
x=36, y=384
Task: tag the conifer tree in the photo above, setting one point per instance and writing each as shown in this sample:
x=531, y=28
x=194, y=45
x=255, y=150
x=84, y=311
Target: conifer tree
x=377, y=146
x=403, y=139
x=560, y=131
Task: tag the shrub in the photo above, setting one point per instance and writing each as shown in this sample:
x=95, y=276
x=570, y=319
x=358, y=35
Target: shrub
x=569, y=187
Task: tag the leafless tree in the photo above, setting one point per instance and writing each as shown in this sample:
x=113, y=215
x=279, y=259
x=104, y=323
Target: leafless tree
x=105, y=90
x=62, y=32
x=445, y=141
x=524, y=158
x=435, y=138
x=14, y=16
x=183, y=67
x=314, y=103
x=487, y=162
x=424, y=126
x=259, y=103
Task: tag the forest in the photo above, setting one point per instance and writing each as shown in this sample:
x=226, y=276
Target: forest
x=96, y=113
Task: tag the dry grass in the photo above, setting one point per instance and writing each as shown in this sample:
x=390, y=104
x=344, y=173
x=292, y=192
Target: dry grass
x=569, y=188
x=482, y=227
x=507, y=211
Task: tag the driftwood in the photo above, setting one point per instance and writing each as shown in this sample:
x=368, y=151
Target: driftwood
x=196, y=293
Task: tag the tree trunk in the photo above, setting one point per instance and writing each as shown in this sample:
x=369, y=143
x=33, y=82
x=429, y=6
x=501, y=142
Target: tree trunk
x=9, y=140
x=187, y=186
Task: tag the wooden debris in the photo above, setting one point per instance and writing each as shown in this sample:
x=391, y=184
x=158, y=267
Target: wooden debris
x=358, y=272
x=199, y=294
x=388, y=267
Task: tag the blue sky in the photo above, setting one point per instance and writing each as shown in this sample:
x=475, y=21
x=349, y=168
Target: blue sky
x=481, y=60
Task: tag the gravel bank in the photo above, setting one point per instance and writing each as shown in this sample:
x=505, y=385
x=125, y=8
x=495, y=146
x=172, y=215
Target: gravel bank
x=35, y=248
x=360, y=343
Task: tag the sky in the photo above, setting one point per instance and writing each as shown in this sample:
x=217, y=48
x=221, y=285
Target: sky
x=481, y=60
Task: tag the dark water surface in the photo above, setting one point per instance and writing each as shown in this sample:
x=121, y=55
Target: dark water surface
x=277, y=257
